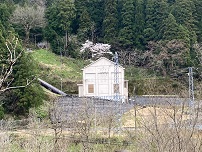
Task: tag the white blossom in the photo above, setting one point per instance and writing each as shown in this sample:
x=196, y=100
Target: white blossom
x=97, y=49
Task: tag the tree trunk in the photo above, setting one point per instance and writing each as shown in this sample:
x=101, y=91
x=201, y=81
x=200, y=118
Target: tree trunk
x=66, y=43
x=27, y=32
x=66, y=38
x=129, y=58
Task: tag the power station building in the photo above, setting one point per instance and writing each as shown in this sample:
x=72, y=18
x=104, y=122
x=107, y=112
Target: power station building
x=104, y=79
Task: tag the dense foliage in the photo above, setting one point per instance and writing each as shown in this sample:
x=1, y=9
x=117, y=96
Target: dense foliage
x=19, y=100
x=162, y=35
x=60, y=16
x=124, y=24
x=128, y=26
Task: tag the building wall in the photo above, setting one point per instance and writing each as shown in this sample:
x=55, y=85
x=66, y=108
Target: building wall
x=98, y=80
x=80, y=87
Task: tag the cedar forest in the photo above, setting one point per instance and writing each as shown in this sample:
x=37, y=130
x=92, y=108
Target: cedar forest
x=162, y=35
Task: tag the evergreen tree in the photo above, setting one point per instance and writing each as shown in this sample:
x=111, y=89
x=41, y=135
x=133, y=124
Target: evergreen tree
x=23, y=69
x=149, y=12
x=171, y=2
x=149, y=34
x=149, y=31
x=183, y=12
x=110, y=22
x=169, y=28
x=172, y=30
x=198, y=17
x=54, y=39
x=85, y=26
x=5, y=12
x=156, y=12
x=83, y=20
x=183, y=34
x=139, y=23
x=5, y=31
x=126, y=34
x=96, y=12
x=18, y=101
x=60, y=16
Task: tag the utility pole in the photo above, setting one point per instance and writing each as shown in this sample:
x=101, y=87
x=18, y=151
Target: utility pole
x=116, y=77
x=117, y=91
x=191, y=87
x=191, y=95
x=61, y=69
x=60, y=63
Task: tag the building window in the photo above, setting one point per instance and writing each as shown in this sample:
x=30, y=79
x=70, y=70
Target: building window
x=116, y=88
x=91, y=88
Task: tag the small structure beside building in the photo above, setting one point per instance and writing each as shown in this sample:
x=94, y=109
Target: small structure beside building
x=99, y=80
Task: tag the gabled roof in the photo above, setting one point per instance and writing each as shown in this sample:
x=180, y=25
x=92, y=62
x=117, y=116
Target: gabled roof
x=101, y=58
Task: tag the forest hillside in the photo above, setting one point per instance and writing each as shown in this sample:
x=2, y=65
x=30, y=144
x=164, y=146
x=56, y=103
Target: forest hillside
x=156, y=41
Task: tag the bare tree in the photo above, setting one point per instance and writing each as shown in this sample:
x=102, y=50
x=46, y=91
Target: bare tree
x=84, y=123
x=28, y=17
x=164, y=57
x=167, y=128
x=7, y=66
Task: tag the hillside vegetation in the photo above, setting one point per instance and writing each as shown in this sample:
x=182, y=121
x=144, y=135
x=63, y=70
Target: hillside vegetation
x=54, y=69
x=148, y=35
x=155, y=41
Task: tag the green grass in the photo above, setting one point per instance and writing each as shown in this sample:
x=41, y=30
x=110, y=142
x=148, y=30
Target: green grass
x=46, y=57
x=65, y=68
x=54, y=69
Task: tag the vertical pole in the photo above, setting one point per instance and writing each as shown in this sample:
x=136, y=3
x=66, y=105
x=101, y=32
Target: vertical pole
x=116, y=77
x=61, y=83
x=117, y=90
x=191, y=94
x=35, y=40
x=191, y=88
x=135, y=108
x=95, y=111
x=60, y=65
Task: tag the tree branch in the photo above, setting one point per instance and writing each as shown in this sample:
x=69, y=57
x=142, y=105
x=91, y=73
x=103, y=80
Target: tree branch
x=7, y=68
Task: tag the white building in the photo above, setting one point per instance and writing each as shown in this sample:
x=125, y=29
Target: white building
x=102, y=80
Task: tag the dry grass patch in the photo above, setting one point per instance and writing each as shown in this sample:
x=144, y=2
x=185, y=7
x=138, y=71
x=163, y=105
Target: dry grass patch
x=163, y=115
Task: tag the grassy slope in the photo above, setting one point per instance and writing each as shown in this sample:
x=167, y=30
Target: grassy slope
x=53, y=70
